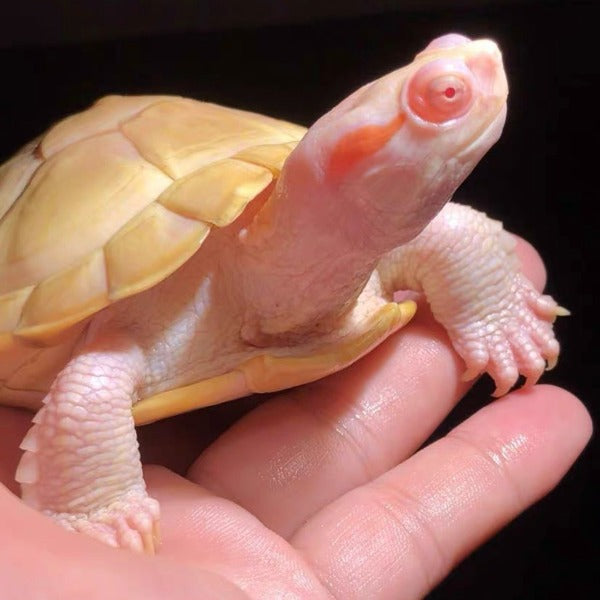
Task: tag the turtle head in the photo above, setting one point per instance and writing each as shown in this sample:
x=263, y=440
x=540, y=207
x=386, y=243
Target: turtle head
x=367, y=177
x=400, y=146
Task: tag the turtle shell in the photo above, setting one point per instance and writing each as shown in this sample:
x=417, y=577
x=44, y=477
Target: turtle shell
x=112, y=200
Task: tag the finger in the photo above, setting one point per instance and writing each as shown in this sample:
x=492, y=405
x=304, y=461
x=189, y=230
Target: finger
x=531, y=262
x=222, y=538
x=399, y=535
x=292, y=456
x=304, y=448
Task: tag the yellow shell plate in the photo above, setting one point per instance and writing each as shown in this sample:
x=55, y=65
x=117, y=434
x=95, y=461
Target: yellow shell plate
x=80, y=207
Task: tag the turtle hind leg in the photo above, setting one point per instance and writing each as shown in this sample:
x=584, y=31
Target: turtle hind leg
x=465, y=264
x=81, y=463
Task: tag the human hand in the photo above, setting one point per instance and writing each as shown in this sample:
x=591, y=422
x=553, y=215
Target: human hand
x=320, y=492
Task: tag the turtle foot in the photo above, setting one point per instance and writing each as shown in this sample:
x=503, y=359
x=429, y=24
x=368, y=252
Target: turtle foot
x=514, y=339
x=130, y=522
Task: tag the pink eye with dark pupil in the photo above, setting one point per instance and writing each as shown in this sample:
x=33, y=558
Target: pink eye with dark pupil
x=440, y=91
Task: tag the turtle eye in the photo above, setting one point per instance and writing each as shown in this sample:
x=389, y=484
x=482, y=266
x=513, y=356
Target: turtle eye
x=441, y=91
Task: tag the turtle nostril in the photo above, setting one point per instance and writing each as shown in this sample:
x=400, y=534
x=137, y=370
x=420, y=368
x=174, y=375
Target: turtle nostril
x=486, y=68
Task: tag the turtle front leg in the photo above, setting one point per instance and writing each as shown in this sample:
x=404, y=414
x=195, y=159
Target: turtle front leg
x=81, y=463
x=465, y=264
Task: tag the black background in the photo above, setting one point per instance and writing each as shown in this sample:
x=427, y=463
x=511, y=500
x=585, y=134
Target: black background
x=295, y=60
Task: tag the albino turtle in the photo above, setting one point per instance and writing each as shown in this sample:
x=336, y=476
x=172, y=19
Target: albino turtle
x=166, y=254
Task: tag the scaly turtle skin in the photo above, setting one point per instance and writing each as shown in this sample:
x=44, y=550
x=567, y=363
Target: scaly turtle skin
x=164, y=254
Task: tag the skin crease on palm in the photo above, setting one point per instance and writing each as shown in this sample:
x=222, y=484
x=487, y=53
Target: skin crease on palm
x=392, y=521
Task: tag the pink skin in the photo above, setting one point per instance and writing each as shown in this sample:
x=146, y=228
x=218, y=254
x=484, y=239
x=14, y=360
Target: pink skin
x=508, y=331
x=93, y=392
x=359, y=431
x=371, y=176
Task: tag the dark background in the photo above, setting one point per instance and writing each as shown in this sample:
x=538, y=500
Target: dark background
x=295, y=60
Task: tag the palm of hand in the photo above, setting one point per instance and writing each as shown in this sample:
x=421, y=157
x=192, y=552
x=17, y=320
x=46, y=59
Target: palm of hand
x=317, y=493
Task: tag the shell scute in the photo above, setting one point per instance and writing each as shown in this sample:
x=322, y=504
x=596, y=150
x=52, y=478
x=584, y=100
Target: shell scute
x=15, y=175
x=271, y=156
x=181, y=136
x=104, y=116
x=67, y=297
x=74, y=204
x=160, y=241
x=112, y=200
x=224, y=187
x=11, y=308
